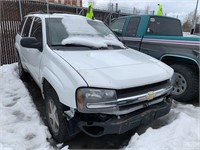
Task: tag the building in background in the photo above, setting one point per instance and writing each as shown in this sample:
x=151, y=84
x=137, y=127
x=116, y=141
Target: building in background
x=69, y=2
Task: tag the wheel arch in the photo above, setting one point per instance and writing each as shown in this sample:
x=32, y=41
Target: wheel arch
x=50, y=80
x=172, y=59
x=45, y=85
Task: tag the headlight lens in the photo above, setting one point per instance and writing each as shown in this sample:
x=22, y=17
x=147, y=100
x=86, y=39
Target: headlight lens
x=88, y=98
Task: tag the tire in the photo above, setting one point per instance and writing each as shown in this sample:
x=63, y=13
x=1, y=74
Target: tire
x=57, y=123
x=22, y=73
x=186, y=84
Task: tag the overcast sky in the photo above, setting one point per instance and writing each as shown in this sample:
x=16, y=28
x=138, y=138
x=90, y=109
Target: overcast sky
x=170, y=7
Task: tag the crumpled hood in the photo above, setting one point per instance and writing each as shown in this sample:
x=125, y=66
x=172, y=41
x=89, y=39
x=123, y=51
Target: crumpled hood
x=116, y=68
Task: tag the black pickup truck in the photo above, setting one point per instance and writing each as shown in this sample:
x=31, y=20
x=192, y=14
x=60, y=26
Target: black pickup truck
x=162, y=38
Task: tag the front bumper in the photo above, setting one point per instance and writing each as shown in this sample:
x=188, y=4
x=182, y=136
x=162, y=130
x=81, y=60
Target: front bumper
x=121, y=124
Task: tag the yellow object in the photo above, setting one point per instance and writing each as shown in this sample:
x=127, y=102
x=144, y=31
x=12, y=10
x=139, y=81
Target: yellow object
x=90, y=13
x=160, y=12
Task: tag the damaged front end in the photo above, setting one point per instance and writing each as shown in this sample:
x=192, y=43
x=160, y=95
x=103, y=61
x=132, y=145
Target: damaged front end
x=103, y=111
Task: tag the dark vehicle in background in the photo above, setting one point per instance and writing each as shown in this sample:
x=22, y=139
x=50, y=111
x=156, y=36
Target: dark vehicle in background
x=162, y=38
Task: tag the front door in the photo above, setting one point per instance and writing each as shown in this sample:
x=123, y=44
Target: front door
x=34, y=55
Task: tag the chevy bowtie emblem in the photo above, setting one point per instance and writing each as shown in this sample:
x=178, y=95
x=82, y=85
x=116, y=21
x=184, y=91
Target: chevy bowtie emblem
x=150, y=95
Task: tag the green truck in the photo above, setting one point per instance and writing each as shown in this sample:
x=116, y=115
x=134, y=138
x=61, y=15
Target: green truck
x=162, y=37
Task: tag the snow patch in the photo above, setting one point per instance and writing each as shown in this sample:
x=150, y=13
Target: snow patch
x=82, y=33
x=65, y=148
x=187, y=34
x=181, y=132
x=20, y=125
x=92, y=41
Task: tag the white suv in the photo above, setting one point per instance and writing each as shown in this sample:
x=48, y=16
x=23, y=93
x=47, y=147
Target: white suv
x=89, y=80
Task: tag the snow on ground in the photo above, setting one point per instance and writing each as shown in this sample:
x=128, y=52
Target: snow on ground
x=187, y=34
x=181, y=132
x=22, y=129
x=20, y=125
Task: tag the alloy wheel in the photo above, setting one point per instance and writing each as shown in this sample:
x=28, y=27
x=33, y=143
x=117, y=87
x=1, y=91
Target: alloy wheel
x=53, y=116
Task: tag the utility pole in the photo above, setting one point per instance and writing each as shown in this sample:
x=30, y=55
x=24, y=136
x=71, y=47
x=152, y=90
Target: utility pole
x=20, y=10
x=47, y=1
x=194, y=20
x=134, y=10
x=110, y=15
x=116, y=7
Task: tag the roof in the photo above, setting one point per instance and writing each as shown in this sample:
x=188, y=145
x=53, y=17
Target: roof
x=54, y=15
x=147, y=16
x=57, y=15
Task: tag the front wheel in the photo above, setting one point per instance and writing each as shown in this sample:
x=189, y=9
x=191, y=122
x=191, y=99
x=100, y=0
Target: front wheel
x=57, y=123
x=186, y=84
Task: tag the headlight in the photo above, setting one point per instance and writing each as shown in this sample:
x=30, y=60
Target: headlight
x=89, y=99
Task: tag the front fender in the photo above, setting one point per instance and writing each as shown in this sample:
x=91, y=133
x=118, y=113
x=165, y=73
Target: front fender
x=52, y=79
x=63, y=78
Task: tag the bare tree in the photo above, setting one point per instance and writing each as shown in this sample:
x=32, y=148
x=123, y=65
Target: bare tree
x=187, y=23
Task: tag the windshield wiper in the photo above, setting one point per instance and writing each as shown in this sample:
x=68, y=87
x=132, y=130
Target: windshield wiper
x=109, y=47
x=74, y=45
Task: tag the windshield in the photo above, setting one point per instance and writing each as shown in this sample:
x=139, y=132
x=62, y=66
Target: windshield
x=78, y=30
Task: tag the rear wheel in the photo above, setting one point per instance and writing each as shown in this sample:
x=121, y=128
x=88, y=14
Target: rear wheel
x=186, y=84
x=57, y=123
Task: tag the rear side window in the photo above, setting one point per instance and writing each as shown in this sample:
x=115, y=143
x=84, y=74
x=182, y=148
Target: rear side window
x=164, y=26
x=132, y=26
x=27, y=27
x=37, y=29
x=118, y=25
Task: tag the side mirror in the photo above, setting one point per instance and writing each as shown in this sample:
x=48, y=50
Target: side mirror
x=31, y=42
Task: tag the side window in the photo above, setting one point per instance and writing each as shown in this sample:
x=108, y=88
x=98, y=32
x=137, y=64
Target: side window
x=132, y=26
x=117, y=26
x=37, y=29
x=21, y=25
x=27, y=27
